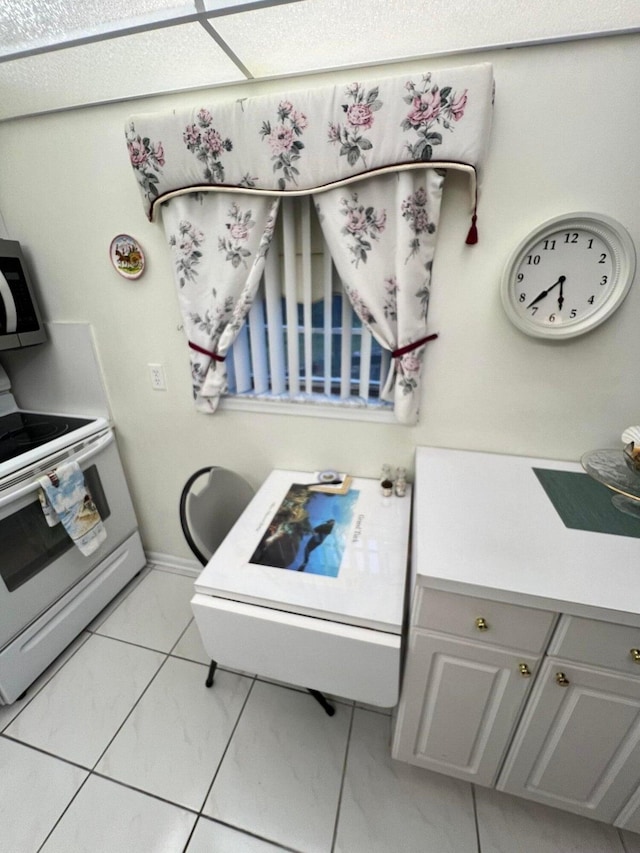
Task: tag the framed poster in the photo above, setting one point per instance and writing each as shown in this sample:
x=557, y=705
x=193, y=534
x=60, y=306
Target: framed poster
x=308, y=532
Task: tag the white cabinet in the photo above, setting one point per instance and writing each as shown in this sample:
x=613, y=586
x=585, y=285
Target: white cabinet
x=578, y=744
x=495, y=563
x=561, y=729
x=463, y=690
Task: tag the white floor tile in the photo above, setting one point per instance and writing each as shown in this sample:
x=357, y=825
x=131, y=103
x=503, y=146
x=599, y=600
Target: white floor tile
x=34, y=791
x=154, y=614
x=210, y=836
x=9, y=712
x=77, y=713
x=388, y=805
x=507, y=823
x=173, y=742
x=109, y=818
x=281, y=775
x=190, y=647
x=119, y=598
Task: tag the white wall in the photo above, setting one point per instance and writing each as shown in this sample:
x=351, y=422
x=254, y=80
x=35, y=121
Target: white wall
x=566, y=138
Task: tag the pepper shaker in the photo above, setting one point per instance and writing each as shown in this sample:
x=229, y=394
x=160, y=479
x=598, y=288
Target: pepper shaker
x=386, y=483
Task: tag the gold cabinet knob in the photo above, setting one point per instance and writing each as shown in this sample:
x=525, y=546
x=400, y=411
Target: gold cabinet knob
x=481, y=624
x=525, y=672
x=635, y=654
x=561, y=679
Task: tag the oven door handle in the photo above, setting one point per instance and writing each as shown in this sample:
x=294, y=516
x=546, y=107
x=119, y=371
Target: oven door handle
x=33, y=485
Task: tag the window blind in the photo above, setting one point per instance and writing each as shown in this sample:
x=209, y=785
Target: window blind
x=303, y=341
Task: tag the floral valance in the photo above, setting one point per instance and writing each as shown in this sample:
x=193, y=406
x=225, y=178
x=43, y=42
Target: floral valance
x=305, y=140
x=212, y=170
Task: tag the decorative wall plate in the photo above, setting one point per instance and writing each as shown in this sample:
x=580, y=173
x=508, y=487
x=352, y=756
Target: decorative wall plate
x=127, y=256
x=568, y=276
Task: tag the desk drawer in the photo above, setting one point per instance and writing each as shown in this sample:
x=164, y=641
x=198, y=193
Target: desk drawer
x=355, y=663
x=598, y=643
x=491, y=622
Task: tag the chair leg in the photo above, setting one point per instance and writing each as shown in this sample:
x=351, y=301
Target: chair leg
x=212, y=671
x=330, y=710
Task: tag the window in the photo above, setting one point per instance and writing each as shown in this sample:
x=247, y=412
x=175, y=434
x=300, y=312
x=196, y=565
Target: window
x=302, y=341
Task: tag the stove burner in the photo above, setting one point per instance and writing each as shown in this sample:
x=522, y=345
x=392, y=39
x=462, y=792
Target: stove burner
x=23, y=431
x=35, y=432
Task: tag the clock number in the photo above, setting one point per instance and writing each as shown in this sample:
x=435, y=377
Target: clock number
x=573, y=314
x=533, y=259
x=570, y=237
x=590, y=243
x=603, y=258
x=549, y=244
x=522, y=297
x=604, y=280
x=590, y=300
x=534, y=309
x=552, y=318
x=520, y=277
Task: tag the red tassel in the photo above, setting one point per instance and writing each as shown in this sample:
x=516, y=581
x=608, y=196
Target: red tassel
x=472, y=236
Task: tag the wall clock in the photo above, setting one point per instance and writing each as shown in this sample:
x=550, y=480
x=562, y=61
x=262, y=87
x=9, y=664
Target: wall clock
x=568, y=275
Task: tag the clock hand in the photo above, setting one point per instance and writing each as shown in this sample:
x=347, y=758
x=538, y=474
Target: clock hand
x=561, y=280
x=545, y=292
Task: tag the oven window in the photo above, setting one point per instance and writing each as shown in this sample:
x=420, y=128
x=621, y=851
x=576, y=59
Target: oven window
x=29, y=545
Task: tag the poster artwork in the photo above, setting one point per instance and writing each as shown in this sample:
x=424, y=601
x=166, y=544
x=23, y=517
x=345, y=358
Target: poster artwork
x=308, y=532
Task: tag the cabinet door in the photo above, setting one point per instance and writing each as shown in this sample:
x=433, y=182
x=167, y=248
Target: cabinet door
x=578, y=743
x=459, y=705
x=629, y=817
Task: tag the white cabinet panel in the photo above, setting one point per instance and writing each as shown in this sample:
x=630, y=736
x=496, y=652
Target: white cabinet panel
x=578, y=744
x=482, y=620
x=598, y=643
x=459, y=706
x=629, y=817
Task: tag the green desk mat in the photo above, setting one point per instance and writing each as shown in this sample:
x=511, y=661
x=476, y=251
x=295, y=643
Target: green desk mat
x=584, y=504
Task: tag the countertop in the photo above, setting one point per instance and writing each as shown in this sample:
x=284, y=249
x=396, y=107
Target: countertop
x=484, y=526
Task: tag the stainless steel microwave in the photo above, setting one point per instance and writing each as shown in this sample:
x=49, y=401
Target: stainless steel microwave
x=20, y=321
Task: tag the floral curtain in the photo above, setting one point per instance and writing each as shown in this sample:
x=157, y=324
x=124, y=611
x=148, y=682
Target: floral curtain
x=218, y=244
x=382, y=235
x=216, y=172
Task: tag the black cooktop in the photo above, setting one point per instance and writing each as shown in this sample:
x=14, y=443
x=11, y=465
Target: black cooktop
x=23, y=431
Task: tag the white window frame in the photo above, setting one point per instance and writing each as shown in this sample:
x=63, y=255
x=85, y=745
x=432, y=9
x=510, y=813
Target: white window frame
x=299, y=267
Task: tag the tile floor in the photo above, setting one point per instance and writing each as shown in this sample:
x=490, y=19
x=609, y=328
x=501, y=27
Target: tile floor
x=119, y=747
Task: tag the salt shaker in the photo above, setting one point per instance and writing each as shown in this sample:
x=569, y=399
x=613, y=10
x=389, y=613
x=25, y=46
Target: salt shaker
x=401, y=482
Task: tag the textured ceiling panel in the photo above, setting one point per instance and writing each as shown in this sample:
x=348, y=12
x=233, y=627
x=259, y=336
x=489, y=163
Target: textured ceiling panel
x=286, y=38
x=324, y=34
x=30, y=23
x=162, y=60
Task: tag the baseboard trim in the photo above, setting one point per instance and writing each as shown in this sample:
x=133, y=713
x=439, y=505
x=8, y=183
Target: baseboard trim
x=177, y=565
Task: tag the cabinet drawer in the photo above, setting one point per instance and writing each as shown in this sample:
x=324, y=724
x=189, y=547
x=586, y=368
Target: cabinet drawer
x=491, y=622
x=599, y=643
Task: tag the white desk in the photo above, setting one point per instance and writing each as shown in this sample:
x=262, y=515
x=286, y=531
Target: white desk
x=334, y=625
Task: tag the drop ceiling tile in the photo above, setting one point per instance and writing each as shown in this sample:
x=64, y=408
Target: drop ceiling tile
x=25, y=24
x=325, y=34
x=162, y=60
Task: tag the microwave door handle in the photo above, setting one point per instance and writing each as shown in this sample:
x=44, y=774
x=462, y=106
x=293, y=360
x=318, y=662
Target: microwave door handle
x=33, y=485
x=9, y=306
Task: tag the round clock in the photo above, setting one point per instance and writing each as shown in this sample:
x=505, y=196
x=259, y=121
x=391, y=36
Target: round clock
x=568, y=275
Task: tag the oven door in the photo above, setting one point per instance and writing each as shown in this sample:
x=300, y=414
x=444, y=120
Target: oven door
x=39, y=563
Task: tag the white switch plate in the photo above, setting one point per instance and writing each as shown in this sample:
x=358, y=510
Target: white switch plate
x=158, y=382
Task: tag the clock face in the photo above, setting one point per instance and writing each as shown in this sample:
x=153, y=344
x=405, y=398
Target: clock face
x=568, y=276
